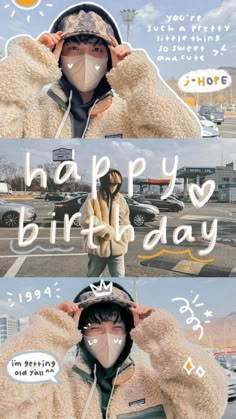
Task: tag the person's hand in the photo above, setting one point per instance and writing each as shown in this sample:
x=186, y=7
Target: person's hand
x=52, y=41
x=140, y=312
x=118, y=52
x=72, y=309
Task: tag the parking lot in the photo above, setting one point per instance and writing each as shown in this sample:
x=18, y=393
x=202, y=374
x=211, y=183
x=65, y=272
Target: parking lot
x=69, y=258
x=228, y=128
x=231, y=410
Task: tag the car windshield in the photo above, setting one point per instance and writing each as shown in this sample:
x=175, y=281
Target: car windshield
x=231, y=358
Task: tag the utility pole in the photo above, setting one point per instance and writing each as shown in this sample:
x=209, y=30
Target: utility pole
x=128, y=17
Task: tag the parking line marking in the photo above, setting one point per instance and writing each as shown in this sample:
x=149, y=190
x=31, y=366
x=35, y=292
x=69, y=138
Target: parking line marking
x=227, y=132
x=14, y=269
x=44, y=255
x=40, y=238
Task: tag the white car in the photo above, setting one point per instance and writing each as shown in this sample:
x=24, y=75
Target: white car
x=231, y=380
x=10, y=213
x=209, y=128
x=207, y=123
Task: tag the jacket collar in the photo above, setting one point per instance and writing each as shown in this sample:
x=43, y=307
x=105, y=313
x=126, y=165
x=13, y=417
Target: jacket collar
x=101, y=104
x=125, y=374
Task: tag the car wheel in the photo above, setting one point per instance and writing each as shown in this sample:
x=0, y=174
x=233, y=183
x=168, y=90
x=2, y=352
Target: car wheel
x=175, y=208
x=11, y=219
x=76, y=223
x=138, y=220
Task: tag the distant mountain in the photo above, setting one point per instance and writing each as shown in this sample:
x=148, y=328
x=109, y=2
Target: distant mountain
x=220, y=332
x=230, y=70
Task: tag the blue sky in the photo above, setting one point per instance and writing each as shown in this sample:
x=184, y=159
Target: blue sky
x=218, y=295
x=191, y=152
x=212, y=12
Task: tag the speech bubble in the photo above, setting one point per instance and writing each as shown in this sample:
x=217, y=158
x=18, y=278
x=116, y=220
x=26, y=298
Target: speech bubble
x=204, y=81
x=33, y=367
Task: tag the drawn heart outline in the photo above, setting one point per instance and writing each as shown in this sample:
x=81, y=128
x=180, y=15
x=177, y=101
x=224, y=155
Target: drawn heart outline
x=203, y=192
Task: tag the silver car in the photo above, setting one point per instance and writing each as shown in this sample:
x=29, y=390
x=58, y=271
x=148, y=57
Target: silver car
x=10, y=213
x=213, y=113
x=231, y=381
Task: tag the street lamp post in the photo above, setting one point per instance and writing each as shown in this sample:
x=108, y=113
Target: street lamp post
x=128, y=17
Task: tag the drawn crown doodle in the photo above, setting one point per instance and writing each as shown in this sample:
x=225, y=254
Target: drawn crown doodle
x=102, y=289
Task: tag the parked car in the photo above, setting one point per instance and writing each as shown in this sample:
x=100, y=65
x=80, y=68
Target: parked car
x=139, y=214
x=51, y=196
x=227, y=360
x=213, y=113
x=74, y=194
x=207, y=123
x=70, y=207
x=209, y=128
x=132, y=201
x=231, y=381
x=208, y=132
x=10, y=213
x=169, y=204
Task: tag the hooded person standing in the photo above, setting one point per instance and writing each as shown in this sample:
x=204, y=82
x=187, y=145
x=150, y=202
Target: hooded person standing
x=105, y=381
x=80, y=80
x=110, y=249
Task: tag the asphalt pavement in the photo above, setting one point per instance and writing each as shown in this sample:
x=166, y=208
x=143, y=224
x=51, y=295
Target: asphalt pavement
x=231, y=410
x=228, y=128
x=68, y=259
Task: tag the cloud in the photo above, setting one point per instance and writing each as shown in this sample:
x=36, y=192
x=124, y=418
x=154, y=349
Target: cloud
x=16, y=311
x=133, y=149
x=147, y=15
x=222, y=15
x=123, y=146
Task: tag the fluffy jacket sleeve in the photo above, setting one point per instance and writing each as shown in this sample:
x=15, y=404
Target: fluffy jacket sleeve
x=153, y=108
x=50, y=330
x=26, y=69
x=191, y=397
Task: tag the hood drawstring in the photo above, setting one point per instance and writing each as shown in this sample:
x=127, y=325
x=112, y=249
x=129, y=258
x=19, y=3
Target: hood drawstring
x=62, y=124
x=88, y=119
x=90, y=396
x=112, y=391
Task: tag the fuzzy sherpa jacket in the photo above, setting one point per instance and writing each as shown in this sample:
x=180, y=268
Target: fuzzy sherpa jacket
x=159, y=389
x=105, y=239
x=142, y=106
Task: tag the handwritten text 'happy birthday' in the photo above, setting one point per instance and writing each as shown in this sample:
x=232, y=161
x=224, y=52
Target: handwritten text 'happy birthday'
x=199, y=197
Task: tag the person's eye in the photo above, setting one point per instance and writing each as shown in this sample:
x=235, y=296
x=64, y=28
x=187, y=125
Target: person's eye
x=73, y=48
x=97, y=49
x=117, y=327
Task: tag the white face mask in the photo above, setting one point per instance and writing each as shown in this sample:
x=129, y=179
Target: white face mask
x=105, y=348
x=84, y=71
